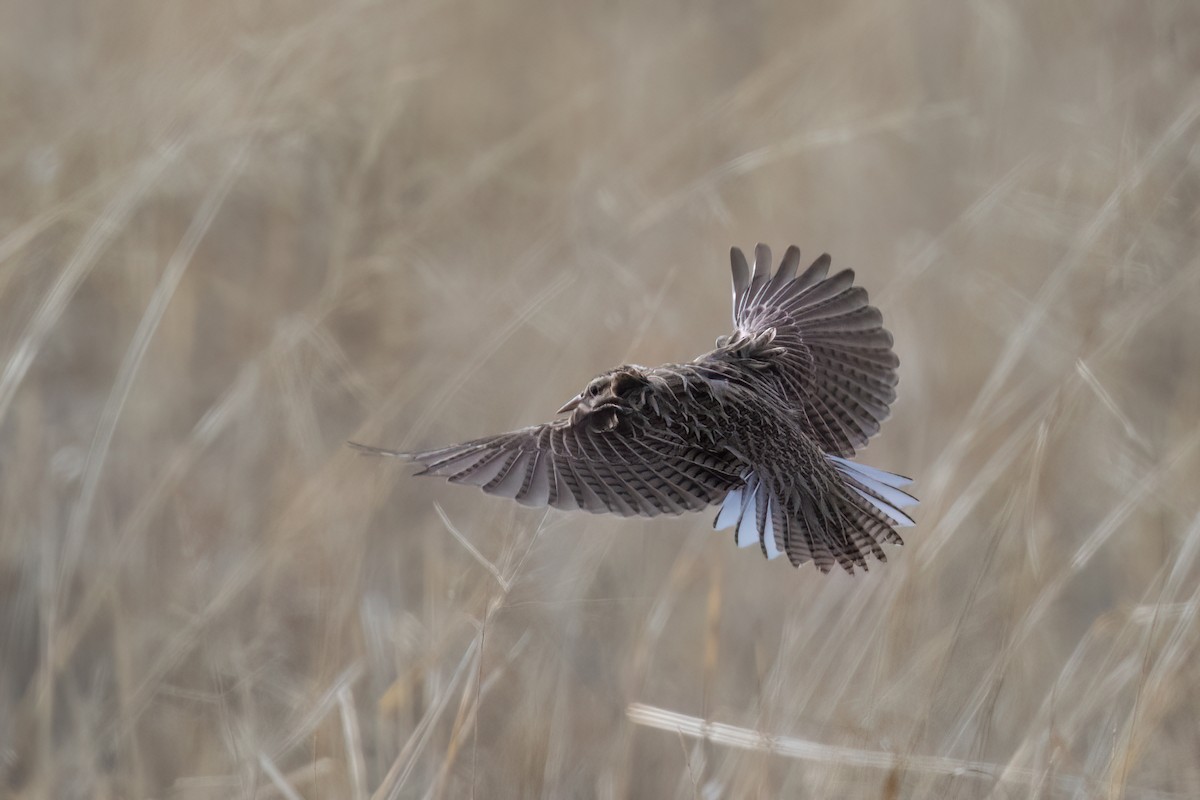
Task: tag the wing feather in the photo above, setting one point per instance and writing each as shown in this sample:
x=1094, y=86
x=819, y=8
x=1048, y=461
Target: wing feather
x=834, y=358
x=632, y=469
x=741, y=279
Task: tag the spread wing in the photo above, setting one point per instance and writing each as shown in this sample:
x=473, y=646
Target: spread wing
x=631, y=469
x=834, y=358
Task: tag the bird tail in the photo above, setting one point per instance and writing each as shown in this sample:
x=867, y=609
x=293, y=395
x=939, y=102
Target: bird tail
x=880, y=490
x=839, y=524
x=740, y=510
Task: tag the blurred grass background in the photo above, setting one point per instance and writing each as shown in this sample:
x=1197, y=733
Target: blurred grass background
x=234, y=235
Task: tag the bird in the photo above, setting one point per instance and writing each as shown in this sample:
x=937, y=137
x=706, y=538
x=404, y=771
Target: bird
x=765, y=425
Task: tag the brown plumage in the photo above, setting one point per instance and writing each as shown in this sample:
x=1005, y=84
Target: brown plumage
x=763, y=424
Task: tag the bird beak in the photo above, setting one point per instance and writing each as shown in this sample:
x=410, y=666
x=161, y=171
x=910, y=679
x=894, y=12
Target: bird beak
x=571, y=404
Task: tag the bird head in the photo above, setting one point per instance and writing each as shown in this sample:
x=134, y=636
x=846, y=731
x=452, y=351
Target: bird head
x=607, y=395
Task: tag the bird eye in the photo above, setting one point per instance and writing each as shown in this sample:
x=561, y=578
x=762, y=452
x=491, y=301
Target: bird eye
x=593, y=389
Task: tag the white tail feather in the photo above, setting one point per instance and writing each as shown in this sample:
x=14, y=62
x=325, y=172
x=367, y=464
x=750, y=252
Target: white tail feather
x=746, y=533
x=888, y=478
x=897, y=516
x=877, y=481
x=731, y=509
x=769, y=534
x=897, y=497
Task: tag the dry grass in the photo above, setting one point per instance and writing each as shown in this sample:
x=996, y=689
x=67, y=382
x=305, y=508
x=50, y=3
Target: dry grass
x=234, y=235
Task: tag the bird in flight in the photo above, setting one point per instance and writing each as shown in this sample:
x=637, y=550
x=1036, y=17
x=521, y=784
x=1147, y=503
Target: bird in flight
x=764, y=424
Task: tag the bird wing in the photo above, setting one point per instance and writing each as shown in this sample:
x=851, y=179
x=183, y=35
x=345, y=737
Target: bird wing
x=834, y=358
x=631, y=469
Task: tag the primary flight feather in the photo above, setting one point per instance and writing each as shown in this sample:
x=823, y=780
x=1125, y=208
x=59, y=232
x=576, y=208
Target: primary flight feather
x=765, y=425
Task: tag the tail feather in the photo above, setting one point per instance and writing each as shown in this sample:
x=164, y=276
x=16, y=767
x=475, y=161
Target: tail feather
x=770, y=542
x=825, y=534
x=747, y=533
x=879, y=489
x=897, y=516
x=884, y=477
x=747, y=509
x=842, y=524
x=731, y=507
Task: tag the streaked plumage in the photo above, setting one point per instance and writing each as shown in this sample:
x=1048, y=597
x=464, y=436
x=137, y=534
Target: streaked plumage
x=764, y=424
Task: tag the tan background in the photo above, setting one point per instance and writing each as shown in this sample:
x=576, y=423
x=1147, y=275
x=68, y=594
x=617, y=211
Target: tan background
x=234, y=235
